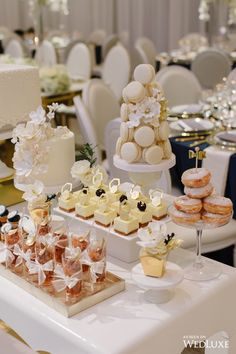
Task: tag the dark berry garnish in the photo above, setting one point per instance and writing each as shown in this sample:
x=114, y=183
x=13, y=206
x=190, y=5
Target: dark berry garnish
x=13, y=216
x=3, y=210
x=50, y=197
x=85, y=191
x=122, y=198
x=141, y=206
x=99, y=192
x=169, y=238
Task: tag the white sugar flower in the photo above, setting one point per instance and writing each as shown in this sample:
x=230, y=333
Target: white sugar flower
x=23, y=166
x=152, y=235
x=80, y=168
x=150, y=108
x=17, y=132
x=38, y=117
x=33, y=191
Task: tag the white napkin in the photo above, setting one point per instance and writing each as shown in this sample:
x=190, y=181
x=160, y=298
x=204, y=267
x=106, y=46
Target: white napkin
x=217, y=162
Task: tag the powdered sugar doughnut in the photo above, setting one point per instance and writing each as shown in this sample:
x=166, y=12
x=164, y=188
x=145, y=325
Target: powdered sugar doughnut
x=183, y=218
x=193, y=177
x=188, y=205
x=199, y=193
x=218, y=205
x=215, y=219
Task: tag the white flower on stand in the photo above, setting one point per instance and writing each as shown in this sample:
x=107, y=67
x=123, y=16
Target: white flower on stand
x=80, y=168
x=147, y=111
x=152, y=236
x=33, y=191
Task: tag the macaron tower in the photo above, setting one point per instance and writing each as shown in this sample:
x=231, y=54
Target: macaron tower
x=144, y=130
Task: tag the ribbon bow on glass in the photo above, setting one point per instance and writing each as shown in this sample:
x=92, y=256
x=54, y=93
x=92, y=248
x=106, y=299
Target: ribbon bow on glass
x=21, y=255
x=64, y=281
x=72, y=252
x=40, y=269
x=95, y=267
x=49, y=240
x=6, y=254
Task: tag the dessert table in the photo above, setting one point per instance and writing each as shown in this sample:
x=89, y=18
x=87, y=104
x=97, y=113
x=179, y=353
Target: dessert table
x=126, y=323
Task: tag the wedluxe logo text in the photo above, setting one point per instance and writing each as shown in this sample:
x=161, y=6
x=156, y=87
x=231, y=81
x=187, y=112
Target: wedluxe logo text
x=200, y=342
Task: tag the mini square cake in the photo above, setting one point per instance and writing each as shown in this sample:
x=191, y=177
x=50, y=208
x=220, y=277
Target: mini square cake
x=104, y=218
x=142, y=213
x=126, y=227
x=159, y=211
x=85, y=211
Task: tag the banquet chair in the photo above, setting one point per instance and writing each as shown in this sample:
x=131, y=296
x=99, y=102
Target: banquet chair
x=46, y=54
x=210, y=67
x=112, y=133
x=108, y=43
x=78, y=63
x=86, y=126
x=116, y=69
x=14, y=48
x=179, y=84
x=146, y=50
x=102, y=106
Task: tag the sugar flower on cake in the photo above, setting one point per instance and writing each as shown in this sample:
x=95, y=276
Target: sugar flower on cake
x=32, y=145
x=83, y=171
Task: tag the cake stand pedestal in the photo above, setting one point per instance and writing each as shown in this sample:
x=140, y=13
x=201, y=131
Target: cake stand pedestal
x=143, y=174
x=158, y=290
x=201, y=269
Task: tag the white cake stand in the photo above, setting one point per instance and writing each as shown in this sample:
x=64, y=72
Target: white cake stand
x=143, y=174
x=159, y=290
x=48, y=189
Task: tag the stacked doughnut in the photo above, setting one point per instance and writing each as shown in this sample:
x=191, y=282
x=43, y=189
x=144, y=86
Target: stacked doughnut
x=200, y=202
x=144, y=130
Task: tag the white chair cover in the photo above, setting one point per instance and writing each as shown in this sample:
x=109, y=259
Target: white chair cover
x=179, y=84
x=86, y=126
x=116, y=69
x=14, y=48
x=210, y=67
x=108, y=43
x=147, y=50
x=112, y=133
x=46, y=54
x=78, y=63
x=102, y=105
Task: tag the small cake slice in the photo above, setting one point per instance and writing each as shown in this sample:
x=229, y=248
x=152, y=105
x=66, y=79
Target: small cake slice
x=104, y=215
x=126, y=223
x=141, y=212
x=85, y=207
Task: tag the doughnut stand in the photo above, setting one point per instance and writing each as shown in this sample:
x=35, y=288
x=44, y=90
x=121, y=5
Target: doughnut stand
x=200, y=270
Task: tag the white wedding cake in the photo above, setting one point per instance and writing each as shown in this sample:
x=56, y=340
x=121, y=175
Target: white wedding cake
x=19, y=93
x=41, y=152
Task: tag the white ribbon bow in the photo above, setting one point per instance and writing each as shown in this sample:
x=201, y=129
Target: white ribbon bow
x=95, y=267
x=49, y=240
x=6, y=254
x=40, y=269
x=64, y=281
x=72, y=252
x=21, y=255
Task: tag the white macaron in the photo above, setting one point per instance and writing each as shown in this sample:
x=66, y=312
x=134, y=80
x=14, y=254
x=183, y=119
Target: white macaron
x=119, y=144
x=164, y=130
x=124, y=112
x=144, y=73
x=130, y=152
x=167, y=150
x=144, y=136
x=134, y=92
x=153, y=155
x=126, y=133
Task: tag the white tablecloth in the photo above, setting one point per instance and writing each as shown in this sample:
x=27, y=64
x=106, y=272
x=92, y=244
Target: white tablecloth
x=126, y=323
